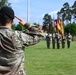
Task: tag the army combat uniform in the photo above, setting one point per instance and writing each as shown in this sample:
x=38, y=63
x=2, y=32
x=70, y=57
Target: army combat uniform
x=69, y=37
x=58, y=41
x=53, y=41
x=48, y=41
x=12, y=44
x=63, y=41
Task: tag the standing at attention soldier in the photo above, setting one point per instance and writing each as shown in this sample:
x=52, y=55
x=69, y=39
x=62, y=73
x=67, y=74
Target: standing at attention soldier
x=53, y=41
x=58, y=38
x=69, y=38
x=63, y=41
x=13, y=42
x=48, y=39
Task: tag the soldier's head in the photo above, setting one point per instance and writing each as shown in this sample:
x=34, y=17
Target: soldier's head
x=6, y=16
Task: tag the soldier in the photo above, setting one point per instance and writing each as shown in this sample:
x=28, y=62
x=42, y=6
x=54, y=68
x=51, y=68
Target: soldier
x=69, y=38
x=58, y=41
x=63, y=41
x=13, y=42
x=48, y=40
x=53, y=41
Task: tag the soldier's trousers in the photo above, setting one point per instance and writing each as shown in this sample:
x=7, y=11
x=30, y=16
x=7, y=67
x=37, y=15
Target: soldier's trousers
x=68, y=44
x=53, y=45
x=63, y=45
x=58, y=45
x=48, y=44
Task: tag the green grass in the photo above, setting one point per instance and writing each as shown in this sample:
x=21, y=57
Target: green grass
x=42, y=61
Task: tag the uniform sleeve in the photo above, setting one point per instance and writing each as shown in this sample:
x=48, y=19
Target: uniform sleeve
x=31, y=37
x=31, y=27
x=28, y=40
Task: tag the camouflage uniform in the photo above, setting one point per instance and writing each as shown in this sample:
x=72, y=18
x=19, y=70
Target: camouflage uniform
x=58, y=41
x=48, y=41
x=63, y=41
x=53, y=41
x=69, y=37
x=12, y=44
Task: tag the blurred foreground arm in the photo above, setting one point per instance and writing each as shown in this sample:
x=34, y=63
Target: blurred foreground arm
x=31, y=35
x=25, y=24
x=31, y=27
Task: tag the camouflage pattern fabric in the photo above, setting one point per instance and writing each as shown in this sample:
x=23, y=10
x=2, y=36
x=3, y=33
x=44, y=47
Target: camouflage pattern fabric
x=12, y=44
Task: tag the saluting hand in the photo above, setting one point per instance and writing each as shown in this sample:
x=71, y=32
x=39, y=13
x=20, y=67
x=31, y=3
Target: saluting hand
x=21, y=20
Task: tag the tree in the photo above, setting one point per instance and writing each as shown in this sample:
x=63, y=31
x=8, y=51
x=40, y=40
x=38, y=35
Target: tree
x=74, y=10
x=70, y=28
x=19, y=27
x=13, y=26
x=36, y=24
x=47, y=23
x=66, y=13
x=4, y=3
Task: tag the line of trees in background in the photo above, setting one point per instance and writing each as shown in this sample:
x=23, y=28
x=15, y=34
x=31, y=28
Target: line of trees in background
x=68, y=16
x=4, y=3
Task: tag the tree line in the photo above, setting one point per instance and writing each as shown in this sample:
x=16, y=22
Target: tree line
x=4, y=3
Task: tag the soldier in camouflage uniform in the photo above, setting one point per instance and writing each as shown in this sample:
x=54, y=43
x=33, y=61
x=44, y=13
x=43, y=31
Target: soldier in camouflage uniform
x=13, y=42
x=53, y=41
x=48, y=40
x=69, y=38
x=63, y=41
x=58, y=41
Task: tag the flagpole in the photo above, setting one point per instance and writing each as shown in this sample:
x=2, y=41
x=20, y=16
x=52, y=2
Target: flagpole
x=28, y=10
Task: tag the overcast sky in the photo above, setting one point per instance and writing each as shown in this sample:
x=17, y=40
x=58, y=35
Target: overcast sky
x=37, y=8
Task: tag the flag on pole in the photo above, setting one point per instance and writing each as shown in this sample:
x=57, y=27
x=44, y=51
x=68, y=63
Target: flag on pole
x=60, y=26
x=58, y=23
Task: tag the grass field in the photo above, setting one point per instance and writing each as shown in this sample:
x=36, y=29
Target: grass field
x=42, y=61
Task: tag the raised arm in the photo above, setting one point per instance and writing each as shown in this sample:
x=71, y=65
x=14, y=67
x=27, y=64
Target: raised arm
x=30, y=36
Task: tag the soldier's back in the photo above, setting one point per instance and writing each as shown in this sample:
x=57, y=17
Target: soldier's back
x=11, y=53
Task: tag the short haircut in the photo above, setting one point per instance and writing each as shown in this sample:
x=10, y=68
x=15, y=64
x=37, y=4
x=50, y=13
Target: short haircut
x=4, y=19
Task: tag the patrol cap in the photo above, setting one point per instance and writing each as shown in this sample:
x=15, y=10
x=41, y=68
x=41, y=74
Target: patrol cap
x=8, y=11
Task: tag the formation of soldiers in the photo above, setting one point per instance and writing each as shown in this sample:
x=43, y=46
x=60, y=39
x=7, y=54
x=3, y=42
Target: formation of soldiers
x=58, y=40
